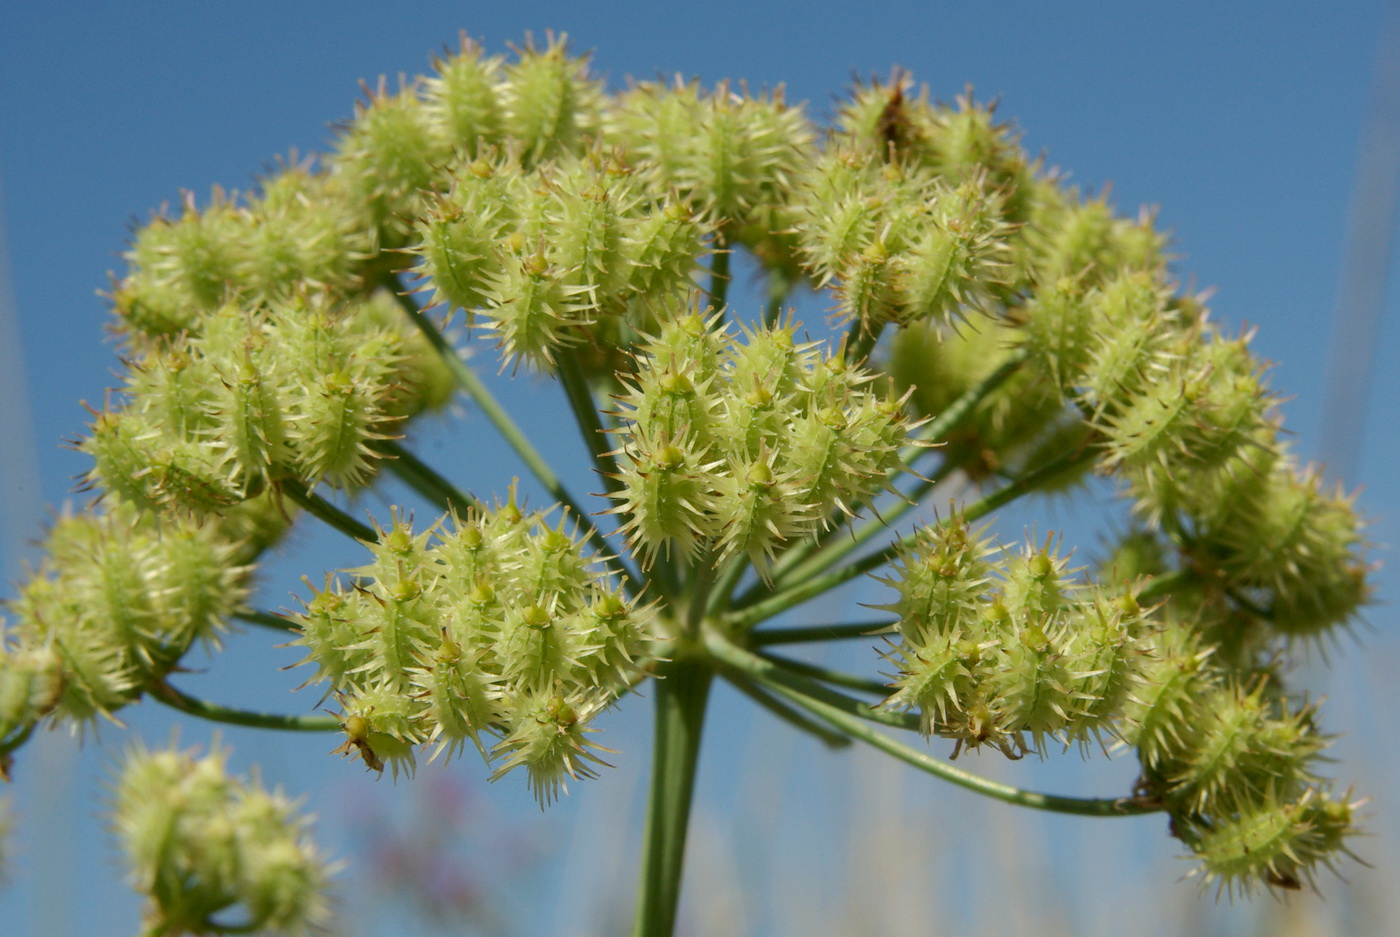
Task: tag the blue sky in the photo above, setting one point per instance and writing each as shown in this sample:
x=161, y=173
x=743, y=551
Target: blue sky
x=1242, y=122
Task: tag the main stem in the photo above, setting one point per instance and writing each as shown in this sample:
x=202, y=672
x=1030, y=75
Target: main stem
x=682, y=690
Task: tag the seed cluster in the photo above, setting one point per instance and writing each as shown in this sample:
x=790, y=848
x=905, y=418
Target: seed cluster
x=491, y=625
x=740, y=449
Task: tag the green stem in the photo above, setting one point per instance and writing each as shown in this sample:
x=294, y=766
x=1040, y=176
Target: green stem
x=724, y=584
x=813, y=633
x=804, y=591
x=785, y=712
x=828, y=676
x=165, y=693
x=424, y=479
x=817, y=556
x=845, y=718
x=681, y=695
x=860, y=341
x=323, y=510
x=778, y=289
x=589, y=422
x=702, y=581
x=719, y=273
x=266, y=620
x=1082, y=806
x=8, y=746
x=769, y=672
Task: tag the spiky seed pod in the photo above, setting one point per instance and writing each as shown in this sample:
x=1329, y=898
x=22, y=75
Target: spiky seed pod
x=198, y=841
x=589, y=202
x=941, y=582
x=742, y=446
x=846, y=207
x=1209, y=405
x=1160, y=717
x=300, y=236
x=1059, y=329
x=551, y=741
x=31, y=684
x=387, y=157
x=967, y=142
x=462, y=99
x=959, y=255
x=383, y=725
x=1106, y=650
x=1278, y=841
x=663, y=248
x=730, y=155
x=760, y=508
x=1246, y=743
x=897, y=243
x=667, y=496
x=614, y=637
x=885, y=120
x=532, y=311
x=1139, y=335
x=549, y=103
x=295, y=388
x=181, y=268
x=1263, y=525
x=1072, y=237
x=120, y=599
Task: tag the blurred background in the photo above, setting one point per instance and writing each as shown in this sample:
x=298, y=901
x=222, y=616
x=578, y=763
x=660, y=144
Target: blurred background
x=1270, y=141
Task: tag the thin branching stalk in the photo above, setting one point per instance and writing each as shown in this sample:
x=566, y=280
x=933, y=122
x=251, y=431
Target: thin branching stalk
x=424, y=479
x=165, y=693
x=323, y=510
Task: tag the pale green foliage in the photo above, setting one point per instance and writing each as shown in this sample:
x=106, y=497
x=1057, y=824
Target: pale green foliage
x=213, y=853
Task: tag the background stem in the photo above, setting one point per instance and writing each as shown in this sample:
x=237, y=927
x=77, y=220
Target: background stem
x=681, y=694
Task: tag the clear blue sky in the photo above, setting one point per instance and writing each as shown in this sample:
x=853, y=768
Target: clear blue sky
x=1240, y=120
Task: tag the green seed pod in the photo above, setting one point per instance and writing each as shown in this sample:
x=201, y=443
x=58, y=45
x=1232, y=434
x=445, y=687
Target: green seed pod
x=549, y=103
x=31, y=685
x=198, y=841
x=180, y=269
x=387, y=157
x=533, y=312
x=759, y=509
x=935, y=366
x=937, y=678
x=461, y=99
x=668, y=495
x=1275, y=842
x=941, y=583
x=1246, y=744
x=549, y=738
x=1210, y=404
x=383, y=725
x=1083, y=239
x=299, y=237
x=120, y=598
x=959, y=255
x=963, y=144
x=461, y=232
